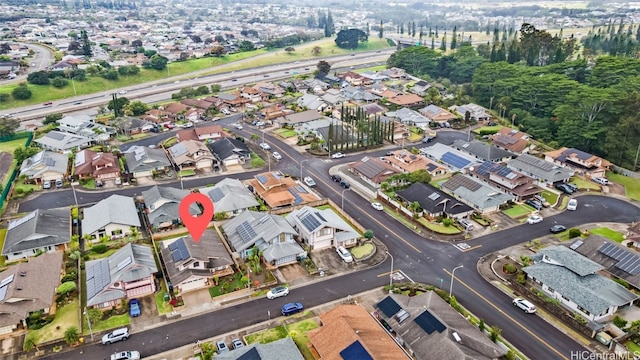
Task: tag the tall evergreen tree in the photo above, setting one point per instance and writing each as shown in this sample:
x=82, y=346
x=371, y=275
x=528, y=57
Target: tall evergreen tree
x=443, y=44
x=86, y=44
x=454, y=40
x=381, y=31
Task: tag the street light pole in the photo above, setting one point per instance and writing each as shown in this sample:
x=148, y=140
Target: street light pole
x=391, y=273
x=452, y=277
x=302, y=162
x=88, y=323
x=342, y=206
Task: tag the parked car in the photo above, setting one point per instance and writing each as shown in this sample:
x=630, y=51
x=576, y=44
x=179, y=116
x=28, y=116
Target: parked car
x=534, y=219
x=525, y=305
x=225, y=111
x=260, y=123
x=534, y=204
x=115, y=335
x=337, y=155
x=564, y=188
x=134, y=308
x=491, y=123
x=572, y=186
x=389, y=153
x=265, y=146
x=59, y=183
x=277, y=292
x=291, y=308
x=221, y=346
x=377, y=206
x=309, y=181
x=601, y=181
x=237, y=344
x=126, y=355
x=572, y=205
x=46, y=184
x=345, y=254
x=557, y=228
x=345, y=184
x=277, y=156
x=426, y=139
x=336, y=178
x=542, y=200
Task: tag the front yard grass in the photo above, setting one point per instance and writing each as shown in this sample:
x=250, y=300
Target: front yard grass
x=66, y=317
x=286, y=133
x=256, y=161
x=517, y=211
x=583, y=183
x=608, y=233
x=438, y=227
x=187, y=173
x=163, y=306
x=227, y=284
x=631, y=185
x=415, y=137
x=113, y=322
x=361, y=251
x=25, y=188
x=550, y=196
x=632, y=347
x=488, y=129
x=297, y=331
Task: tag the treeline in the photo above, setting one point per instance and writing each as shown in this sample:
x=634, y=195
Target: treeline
x=620, y=40
x=289, y=40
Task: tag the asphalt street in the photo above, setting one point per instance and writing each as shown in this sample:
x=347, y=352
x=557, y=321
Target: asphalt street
x=421, y=259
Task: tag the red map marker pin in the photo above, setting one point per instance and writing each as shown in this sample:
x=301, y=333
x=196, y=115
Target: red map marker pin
x=196, y=224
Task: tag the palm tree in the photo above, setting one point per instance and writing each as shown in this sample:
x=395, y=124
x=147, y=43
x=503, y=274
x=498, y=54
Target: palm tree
x=71, y=335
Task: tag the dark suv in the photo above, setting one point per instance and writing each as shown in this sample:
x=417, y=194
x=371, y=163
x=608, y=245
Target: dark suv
x=336, y=178
x=345, y=184
x=564, y=188
x=534, y=204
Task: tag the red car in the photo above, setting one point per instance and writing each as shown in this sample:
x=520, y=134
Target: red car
x=48, y=103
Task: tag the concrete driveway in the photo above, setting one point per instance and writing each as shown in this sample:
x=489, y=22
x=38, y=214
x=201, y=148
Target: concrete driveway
x=148, y=314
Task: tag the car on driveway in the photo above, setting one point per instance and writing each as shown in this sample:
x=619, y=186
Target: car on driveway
x=277, y=292
x=277, y=156
x=557, y=228
x=337, y=155
x=309, y=181
x=534, y=219
x=534, y=204
x=46, y=184
x=236, y=344
x=525, y=305
x=291, y=308
x=221, y=346
x=345, y=254
x=377, y=206
x=134, y=308
x=564, y=188
x=265, y=146
x=260, y=123
x=126, y=355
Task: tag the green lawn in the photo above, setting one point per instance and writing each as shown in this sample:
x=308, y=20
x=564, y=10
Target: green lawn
x=492, y=129
x=256, y=160
x=631, y=185
x=372, y=68
x=297, y=331
x=632, y=347
x=26, y=187
x=227, y=284
x=583, y=183
x=517, y=211
x=9, y=146
x=115, y=321
x=3, y=234
x=415, y=137
x=163, y=306
x=186, y=173
x=608, y=233
x=550, y=196
x=267, y=336
x=88, y=183
x=66, y=317
x=286, y=133
x=361, y=251
x=438, y=227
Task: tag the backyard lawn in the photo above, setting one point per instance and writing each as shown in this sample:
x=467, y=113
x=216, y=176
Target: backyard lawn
x=297, y=331
x=517, y=211
x=608, y=233
x=9, y=146
x=631, y=185
x=66, y=317
x=583, y=183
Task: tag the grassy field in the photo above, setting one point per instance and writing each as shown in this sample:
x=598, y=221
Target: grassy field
x=113, y=322
x=438, y=227
x=608, y=233
x=66, y=317
x=10, y=146
x=285, y=133
x=631, y=185
x=517, y=211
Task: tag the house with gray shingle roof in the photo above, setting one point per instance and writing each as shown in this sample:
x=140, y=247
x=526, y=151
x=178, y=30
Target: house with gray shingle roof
x=85, y=125
x=539, y=169
x=45, y=166
x=408, y=116
x=43, y=230
x=162, y=203
x=321, y=229
x=283, y=349
x=272, y=234
x=434, y=202
x=62, y=142
x=230, y=196
x=312, y=102
x=143, y=161
x=373, y=170
x=127, y=273
x=483, y=151
x=229, y=151
x=112, y=217
x=475, y=193
x=193, y=265
x=573, y=279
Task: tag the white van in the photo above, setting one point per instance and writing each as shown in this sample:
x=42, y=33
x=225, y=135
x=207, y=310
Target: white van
x=601, y=181
x=466, y=224
x=572, y=205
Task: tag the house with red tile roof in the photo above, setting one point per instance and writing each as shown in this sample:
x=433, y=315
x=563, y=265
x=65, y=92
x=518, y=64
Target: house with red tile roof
x=511, y=140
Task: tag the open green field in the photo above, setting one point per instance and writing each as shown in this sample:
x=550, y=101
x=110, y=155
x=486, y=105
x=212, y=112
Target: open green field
x=631, y=185
x=10, y=146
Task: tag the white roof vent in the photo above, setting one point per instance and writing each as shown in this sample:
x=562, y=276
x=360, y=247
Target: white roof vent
x=456, y=336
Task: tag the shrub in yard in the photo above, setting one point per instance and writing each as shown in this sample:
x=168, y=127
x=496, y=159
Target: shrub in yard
x=368, y=234
x=619, y=322
x=574, y=232
x=510, y=269
x=66, y=288
x=494, y=333
x=71, y=335
x=99, y=249
x=447, y=222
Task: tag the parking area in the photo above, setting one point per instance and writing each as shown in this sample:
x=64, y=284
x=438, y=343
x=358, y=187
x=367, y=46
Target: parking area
x=148, y=314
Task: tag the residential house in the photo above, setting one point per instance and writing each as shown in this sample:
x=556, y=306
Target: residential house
x=45, y=166
x=312, y=102
x=201, y=133
x=191, y=154
x=574, y=281
x=539, y=169
x=132, y=125
x=407, y=162
x=283, y=349
x=420, y=87
x=316, y=86
x=372, y=109
x=394, y=73
x=270, y=90
x=354, y=79
x=274, y=111
x=437, y=114
x=333, y=97
x=96, y=165
x=127, y=273
x=84, y=125
x=252, y=94
x=358, y=94
x=373, y=170
x=40, y=231
x=454, y=159
x=476, y=112
x=232, y=100
x=348, y=331
x=113, y=217
x=429, y=328
x=175, y=110
x=374, y=77
x=583, y=163
x=28, y=287
x=480, y=196
x=229, y=151
x=279, y=191
x=409, y=117
x=230, y=196
x=197, y=103
x=158, y=117
x=144, y=161
x=295, y=119
x=483, y=151
x=63, y=142
x=322, y=229
x=162, y=204
x=506, y=179
x=434, y=202
x=408, y=100
x=511, y=140
x=271, y=234
x=193, y=265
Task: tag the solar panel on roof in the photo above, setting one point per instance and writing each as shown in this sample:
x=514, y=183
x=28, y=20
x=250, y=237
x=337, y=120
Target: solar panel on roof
x=511, y=176
x=122, y=264
x=310, y=222
x=296, y=198
x=6, y=281
x=355, y=351
x=179, y=250
x=627, y=261
x=216, y=194
x=454, y=160
x=388, y=306
x=263, y=179
x=321, y=217
x=21, y=221
x=98, y=277
x=429, y=323
x=484, y=168
x=246, y=231
x=434, y=196
x=576, y=244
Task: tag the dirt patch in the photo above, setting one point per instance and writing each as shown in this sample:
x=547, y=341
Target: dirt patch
x=293, y=272
x=617, y=189
x=6, y=160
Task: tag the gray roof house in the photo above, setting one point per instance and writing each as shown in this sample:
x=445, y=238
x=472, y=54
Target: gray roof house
x=321, y=229
x=230, y=196
x=573, y=280
x=192, y=265
x=475, y=193
x=127, y=273
x=539, y=169
x=454, y=159
x=162, y=204
x=272, y=234
x=429, y=328
x=483, y=151
x=45, y=166
x=27, y=287
x=476, y=111
x=312, y=102
x=112, y=217
x=142, y=161
x=229, y=151
x=62, y=142
x=408, y=116
x=86, y=126
x=43, y=230
x=434, y=202
x=283, y=349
